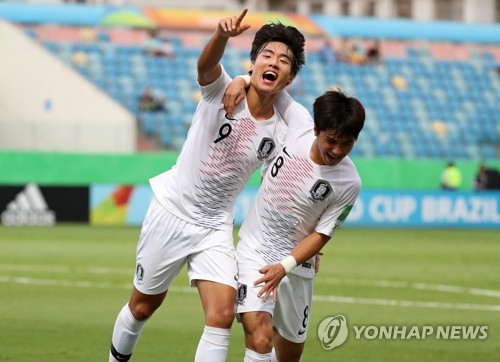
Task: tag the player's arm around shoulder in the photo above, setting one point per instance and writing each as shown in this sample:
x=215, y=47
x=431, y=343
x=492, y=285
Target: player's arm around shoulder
x=295, y=114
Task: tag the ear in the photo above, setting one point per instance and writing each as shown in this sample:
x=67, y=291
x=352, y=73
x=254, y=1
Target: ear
x=290, y=79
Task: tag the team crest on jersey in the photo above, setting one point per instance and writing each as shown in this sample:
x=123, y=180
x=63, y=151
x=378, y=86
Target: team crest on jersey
x=320, y=190
x=242, y=292
x=139, y=273
x=266, y=147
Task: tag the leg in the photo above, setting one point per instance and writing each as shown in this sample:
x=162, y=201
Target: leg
x=258, y=327
x=255, y=314
x=291, y=317
x=130, y=323
x=161, y=253
x=213, y=271
x=143, y=305
x=218, y=304
x=286, y=350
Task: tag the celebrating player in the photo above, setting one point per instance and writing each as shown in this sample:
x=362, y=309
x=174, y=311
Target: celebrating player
x=190, y=218
x=304, y=198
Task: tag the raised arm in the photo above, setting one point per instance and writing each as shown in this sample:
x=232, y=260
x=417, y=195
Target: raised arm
x=209, y=68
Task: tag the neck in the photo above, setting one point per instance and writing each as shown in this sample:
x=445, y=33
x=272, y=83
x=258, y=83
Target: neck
x=260, y=106
x=314, y=153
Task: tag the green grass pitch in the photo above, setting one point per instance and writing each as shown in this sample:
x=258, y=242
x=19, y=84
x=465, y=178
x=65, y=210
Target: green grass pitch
x=61, y=289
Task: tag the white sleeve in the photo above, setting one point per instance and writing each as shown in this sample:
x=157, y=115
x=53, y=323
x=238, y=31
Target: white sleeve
x=294, y=113
x=213, y=92
x=337, y=212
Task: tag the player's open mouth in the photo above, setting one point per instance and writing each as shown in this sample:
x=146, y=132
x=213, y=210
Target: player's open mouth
x=332, y=159
x=270, y=76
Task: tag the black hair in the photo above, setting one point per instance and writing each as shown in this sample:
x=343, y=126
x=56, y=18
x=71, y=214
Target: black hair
x=288, y=35
x=334, y=110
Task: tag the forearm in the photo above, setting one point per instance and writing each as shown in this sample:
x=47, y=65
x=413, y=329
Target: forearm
x=208, y=62
x=309, y=247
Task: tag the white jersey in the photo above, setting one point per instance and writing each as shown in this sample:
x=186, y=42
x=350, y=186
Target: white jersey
x=297, y=197
x=217, y=159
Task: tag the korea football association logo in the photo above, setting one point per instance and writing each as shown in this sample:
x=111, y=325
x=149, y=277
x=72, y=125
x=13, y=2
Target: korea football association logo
x=139, y=273
x=266, y=147
x=320, y=190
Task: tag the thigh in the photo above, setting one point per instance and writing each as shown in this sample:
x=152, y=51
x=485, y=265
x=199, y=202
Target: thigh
x=213, y=258
x=293, y=308
x=164, y=244
x=248, y=272
x=218, y=303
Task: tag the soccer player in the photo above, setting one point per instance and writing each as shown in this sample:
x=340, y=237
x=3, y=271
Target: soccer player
x=305, y=196
x=190, y=218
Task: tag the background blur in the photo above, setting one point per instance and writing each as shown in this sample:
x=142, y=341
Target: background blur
x=96, y=97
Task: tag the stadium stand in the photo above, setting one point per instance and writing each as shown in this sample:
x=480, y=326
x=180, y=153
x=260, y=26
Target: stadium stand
x=428, y=103
x=436, y=96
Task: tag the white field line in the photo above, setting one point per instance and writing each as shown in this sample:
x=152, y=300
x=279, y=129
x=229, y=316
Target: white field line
x=339, y=281
x=318, y=298
x=405, y=303
x=405, y=285
x=64, y=269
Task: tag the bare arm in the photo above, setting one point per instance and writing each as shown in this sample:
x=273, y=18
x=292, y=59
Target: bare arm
x=273, y=274
x=235, y=93
x=209, y=68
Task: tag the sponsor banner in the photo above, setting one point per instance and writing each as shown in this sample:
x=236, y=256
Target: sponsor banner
x=119, y=204
x=428, y=209
x=127, y=205
x=34, y=205
x=112, y=204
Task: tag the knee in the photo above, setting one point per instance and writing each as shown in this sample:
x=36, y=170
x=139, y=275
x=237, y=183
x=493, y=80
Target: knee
x=221, y=318
x=142, y=311
x=261, y=342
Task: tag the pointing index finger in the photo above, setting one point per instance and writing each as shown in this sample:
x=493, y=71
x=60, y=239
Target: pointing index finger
x=242, y=15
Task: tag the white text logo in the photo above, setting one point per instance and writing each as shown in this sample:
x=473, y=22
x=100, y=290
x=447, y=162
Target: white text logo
x=28, y=208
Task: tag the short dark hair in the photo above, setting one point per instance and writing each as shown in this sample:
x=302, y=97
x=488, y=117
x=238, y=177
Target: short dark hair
x=334, y=110
x=288, y=35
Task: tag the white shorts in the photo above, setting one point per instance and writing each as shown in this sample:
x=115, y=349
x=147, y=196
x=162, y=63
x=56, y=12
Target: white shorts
x=167, y=243
x=292, y=310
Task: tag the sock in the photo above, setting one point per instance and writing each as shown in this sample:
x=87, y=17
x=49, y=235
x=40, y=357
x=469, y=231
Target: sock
x=125, y=335
x=252, y=356
x=213, y=345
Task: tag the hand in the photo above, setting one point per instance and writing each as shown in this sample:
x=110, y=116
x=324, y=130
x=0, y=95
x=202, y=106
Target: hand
x=316, y=265
x=273, y=274
x=231, y=26
x=235, y=93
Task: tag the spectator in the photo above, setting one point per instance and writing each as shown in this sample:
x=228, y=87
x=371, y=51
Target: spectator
x=327, y=53
x=451, y=177
x=486, y=179
x=358, y=55
x=373, y=53
x=148, y=102
x=159, y=46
